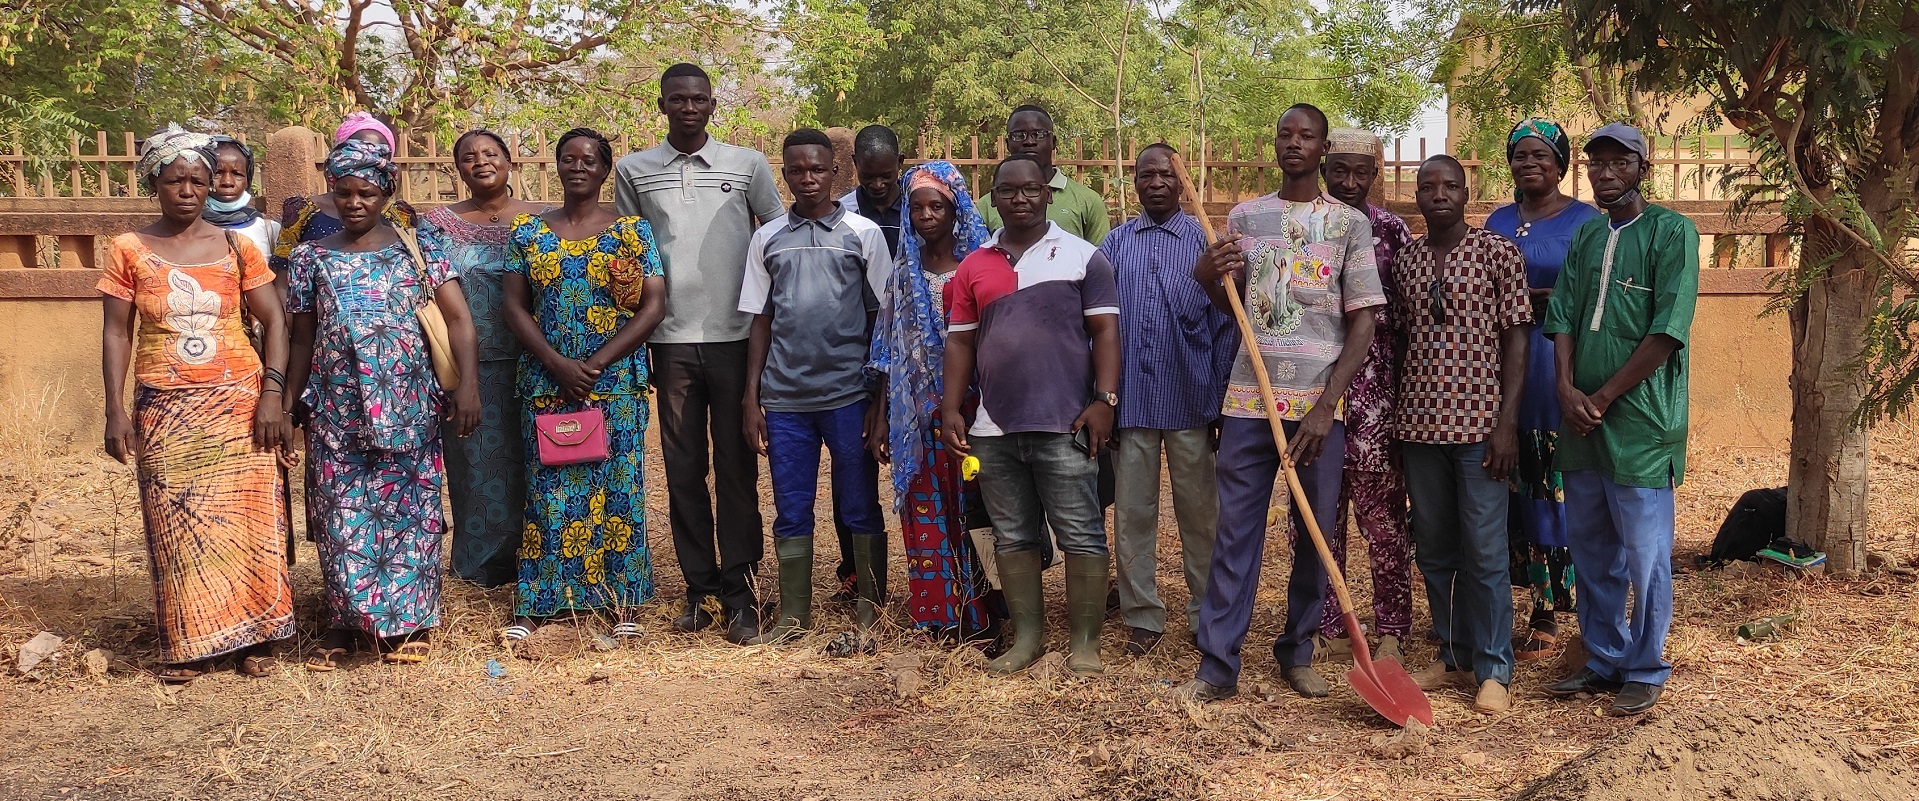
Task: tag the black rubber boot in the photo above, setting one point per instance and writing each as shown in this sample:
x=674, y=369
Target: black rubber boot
x=1019, y=580
x=1085, y=610
x=796, y=591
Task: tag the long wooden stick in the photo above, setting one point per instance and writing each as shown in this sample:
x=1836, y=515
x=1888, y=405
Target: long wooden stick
x=1251, y=342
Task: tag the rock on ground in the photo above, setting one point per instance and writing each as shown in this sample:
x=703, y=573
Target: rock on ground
x=1712, y=753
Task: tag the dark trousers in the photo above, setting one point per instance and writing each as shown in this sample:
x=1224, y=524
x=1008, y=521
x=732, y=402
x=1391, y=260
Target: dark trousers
x=1248, y=462
x=1459, y=542
x=700, y=386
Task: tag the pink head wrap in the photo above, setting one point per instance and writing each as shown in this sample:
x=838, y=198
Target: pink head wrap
x=361, y=121
x=923, y=179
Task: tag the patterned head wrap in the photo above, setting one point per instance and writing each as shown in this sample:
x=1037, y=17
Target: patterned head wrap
x=1545, y=131
x=361, y=121
x=364, y=160
x=926, y=179
x=1353, y=140
x=169, y=145
x=909, y=344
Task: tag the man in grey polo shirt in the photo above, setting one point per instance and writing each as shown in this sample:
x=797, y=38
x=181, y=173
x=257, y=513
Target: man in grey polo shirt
x=704, y=198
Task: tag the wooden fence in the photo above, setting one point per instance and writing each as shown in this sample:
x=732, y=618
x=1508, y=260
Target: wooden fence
x=1685, y=169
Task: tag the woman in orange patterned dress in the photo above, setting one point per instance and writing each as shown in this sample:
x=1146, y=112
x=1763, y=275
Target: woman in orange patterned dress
x=208, y=417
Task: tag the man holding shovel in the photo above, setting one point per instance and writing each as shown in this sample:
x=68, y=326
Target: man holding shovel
x=1312, y=289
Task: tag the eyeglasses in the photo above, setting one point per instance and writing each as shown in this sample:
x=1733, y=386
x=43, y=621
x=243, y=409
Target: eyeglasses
x=1028, y=191
x=1028, y=137
x=1611, y=165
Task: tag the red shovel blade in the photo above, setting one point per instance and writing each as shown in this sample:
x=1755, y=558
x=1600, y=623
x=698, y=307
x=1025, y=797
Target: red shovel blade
x=1385, y=685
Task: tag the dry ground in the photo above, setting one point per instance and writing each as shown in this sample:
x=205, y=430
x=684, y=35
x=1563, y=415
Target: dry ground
x=691, y=717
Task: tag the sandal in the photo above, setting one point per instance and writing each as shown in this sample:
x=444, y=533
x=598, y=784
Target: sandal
x=412, y=652
x=320, y=659
x=628, y=630
x=514, y=633
x=850, y=643
x=179, y=674
x=1538, y=645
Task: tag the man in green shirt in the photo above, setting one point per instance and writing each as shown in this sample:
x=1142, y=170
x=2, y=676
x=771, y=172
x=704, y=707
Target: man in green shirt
x=1620, y=318
x=1076, y=209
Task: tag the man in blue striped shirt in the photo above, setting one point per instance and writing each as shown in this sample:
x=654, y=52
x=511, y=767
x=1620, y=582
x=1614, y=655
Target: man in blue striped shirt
x=1176, y=351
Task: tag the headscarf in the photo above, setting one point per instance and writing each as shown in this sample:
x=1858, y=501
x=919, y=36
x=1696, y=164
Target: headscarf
x=366, y=160
x=239, y=213
x=909, y=343
x=1544, y=130
x=168, y=145
x=1353, y=140
x=361, y=121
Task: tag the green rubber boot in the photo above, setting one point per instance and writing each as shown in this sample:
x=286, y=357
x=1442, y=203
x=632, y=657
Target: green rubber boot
x=1086, y=611
x=1019, y=580
x=796, y=591
x=869, y=564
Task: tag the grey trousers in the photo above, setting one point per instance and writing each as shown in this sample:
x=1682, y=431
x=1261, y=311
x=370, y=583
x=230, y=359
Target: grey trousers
x=1189, y=460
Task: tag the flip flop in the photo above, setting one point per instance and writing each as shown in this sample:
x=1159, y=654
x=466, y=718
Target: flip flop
x=514, y=633
x=409, y=653
x=178, y=674
x=1538, y=645
x=320, y=660
x=629, y=630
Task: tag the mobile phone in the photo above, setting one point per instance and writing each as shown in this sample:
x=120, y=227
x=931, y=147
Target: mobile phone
x=1083, y=440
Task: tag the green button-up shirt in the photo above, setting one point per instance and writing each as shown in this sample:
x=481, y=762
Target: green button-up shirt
x=1619, y=286
x=1076, y=209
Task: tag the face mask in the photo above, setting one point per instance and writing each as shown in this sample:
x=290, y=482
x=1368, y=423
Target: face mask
x=228, y=207
x=1624, y=200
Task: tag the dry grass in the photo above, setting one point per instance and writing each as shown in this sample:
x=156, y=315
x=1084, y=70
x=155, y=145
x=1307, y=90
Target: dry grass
x=691, y=717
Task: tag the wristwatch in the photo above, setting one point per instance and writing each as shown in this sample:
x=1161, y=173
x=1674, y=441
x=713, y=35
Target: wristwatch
x=1109, y=398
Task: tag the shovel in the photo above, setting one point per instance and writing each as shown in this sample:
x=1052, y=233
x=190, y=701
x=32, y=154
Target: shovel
x=1384, y=685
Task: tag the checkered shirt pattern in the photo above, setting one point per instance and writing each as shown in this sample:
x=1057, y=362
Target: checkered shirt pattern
x=1449, y=389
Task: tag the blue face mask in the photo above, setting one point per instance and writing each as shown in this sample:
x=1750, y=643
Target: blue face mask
x=228, y=207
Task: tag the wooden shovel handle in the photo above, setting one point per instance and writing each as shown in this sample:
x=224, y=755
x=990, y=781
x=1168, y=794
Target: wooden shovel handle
x=1251, y=342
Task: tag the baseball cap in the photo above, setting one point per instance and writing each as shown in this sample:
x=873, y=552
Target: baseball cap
x=1626, y=135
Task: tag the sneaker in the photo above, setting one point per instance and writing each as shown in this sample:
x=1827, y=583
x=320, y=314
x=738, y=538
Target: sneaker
x=1389, y=647
x=1438, y=675
x=1493, y=698
x=1307, y=682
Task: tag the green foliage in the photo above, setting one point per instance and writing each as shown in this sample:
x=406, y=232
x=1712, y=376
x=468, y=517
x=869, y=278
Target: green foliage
x=957, y=67
x=1828, y=91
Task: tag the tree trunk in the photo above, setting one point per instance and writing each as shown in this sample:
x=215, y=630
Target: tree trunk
x=1826, y=505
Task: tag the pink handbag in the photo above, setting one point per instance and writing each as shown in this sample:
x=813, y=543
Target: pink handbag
x=571, y=438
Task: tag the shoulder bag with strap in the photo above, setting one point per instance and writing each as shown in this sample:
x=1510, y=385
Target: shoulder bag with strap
x=432, y=324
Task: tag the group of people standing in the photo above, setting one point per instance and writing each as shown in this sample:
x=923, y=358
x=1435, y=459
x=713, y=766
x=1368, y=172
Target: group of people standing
x=1016, y=364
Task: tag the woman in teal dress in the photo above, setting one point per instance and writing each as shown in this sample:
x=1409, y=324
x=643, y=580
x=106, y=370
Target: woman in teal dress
x=1541, y=223
x=583, y=291
x=485, y=474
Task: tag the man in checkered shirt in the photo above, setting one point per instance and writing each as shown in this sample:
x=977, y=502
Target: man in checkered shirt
x=1464, y=311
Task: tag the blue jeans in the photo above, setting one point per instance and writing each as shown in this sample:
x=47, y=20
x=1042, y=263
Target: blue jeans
x=1622, y=548
x=1035, y=479
x=1247, y=464
x=1460, y=544
x=793, y=441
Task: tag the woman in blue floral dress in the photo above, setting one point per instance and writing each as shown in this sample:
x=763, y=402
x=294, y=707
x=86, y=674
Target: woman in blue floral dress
x=583, y=291
x=361, y=363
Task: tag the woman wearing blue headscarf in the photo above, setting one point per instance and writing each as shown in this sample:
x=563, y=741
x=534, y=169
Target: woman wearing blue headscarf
x=1541, y=222
x=945, y=583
